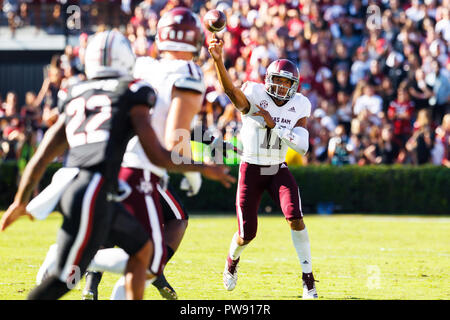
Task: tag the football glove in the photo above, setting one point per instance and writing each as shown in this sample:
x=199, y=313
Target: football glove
x=191, y=183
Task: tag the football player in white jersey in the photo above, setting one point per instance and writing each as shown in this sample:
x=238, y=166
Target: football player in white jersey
x=180, y=87
x=274, y=118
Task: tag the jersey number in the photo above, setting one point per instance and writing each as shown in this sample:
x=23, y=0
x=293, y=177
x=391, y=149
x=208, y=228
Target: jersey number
x=91, y=133
x=265, y=144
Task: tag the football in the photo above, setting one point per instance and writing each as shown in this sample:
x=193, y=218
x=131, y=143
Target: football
x=215, y=20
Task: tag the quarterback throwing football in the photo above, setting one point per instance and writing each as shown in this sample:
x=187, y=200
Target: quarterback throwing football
x=273, y=119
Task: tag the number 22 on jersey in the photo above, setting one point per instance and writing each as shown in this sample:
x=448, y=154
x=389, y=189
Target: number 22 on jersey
x=76, y=133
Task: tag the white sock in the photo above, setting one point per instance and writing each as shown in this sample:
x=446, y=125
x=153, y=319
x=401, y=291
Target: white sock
x=301, y=245
x=48, y=265
x=112, y=260
x=119, y=292
x=235, y=249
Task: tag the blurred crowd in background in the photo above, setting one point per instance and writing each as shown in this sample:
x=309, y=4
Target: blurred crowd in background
x=376, y=72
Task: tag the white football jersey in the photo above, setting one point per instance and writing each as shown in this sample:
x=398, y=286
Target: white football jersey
x=260, y=145
x=163, y=75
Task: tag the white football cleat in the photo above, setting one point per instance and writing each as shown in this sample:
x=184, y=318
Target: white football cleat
x=309, y=287
x=309, y=294
x=230, y=274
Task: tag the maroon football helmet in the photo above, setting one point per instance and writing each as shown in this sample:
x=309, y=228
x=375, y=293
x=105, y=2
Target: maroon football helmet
x=285, y=69
x=180, y=30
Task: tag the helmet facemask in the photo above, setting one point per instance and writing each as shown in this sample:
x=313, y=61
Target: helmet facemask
x=274, y=89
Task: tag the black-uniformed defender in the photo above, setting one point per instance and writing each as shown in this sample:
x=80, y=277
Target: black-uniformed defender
x=98, y=127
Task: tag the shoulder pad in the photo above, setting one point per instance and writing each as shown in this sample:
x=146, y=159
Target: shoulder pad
x=62, y=94
x=305, y=105
x=249, y=87
x=189, y=83
x=142, y=93
x=63, y=97
x=137, y=84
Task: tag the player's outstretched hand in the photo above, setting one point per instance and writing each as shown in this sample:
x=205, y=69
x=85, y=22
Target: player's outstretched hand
x=219, y=173
x=215, y=49
x=266, y=115
x=14, y=212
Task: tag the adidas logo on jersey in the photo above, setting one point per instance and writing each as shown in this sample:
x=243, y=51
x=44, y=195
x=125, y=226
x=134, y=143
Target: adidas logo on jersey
x=292, y=109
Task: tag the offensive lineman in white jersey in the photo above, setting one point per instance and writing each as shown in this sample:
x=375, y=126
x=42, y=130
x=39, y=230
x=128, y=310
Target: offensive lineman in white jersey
x=273, y=119
x=180, y=87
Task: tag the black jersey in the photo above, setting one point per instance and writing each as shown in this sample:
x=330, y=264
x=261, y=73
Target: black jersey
x=98, y=125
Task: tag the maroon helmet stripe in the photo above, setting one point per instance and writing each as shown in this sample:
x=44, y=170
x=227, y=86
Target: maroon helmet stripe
x=190, y=69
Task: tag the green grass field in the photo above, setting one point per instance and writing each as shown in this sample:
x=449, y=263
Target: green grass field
x=354, y=257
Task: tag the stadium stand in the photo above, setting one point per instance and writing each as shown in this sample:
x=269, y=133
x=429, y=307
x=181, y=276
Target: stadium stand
x=377, y=72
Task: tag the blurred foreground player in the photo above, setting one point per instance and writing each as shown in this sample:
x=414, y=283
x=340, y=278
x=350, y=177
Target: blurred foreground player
x=273, y=119
x=179, y=83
